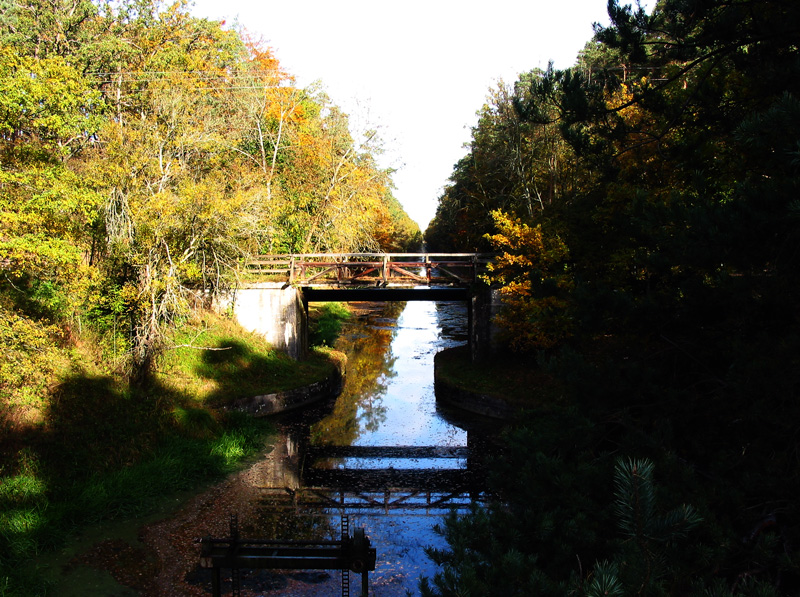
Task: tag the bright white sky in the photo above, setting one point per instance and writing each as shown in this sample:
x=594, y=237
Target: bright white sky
x=416, y=70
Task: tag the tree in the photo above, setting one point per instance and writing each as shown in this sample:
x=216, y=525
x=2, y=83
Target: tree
x=531, y=271
x=682, y=274
x=172, y=219
x=49, y=113
x=514, y=164
x=48, y=28
x=158, y=151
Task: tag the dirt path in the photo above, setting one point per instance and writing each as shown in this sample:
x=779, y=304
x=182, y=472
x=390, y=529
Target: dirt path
x=165, y=563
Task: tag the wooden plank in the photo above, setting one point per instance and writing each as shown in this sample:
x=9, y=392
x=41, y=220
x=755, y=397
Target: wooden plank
x=343, y=295
x=317, y=275
x=394, y=268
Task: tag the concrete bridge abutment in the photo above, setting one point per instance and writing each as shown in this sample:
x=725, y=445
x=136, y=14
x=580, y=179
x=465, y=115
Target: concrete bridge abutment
x=275, y=311
x=484, y=341
x=279, y=312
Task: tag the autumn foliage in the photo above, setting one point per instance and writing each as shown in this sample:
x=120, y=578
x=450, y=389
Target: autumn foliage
x=532, y=274
x=644, y=207
x=146, y=153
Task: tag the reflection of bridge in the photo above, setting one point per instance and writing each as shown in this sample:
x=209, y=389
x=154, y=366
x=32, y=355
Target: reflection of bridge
x=372, y=269
x=318, y=481
x=388, y=488
x=413, y=489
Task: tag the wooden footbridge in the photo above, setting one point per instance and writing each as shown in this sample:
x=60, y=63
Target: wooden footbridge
x=276, y=290
x=371, y=270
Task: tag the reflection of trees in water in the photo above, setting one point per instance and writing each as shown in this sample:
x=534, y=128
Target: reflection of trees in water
x=366, y=339
x=278, y=518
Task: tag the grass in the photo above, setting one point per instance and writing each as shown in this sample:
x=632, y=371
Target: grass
x=515, y=379
x=40, y=510
x=106, y=451
x=216, y=362
x=326, y=322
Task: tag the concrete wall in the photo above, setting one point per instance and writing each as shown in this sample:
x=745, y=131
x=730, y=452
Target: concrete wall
x=276, y=312
x=270, y=404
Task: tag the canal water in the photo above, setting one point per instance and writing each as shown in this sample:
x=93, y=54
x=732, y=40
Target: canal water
x=403, y=440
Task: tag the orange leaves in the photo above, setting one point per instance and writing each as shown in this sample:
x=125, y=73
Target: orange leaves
x=535, y=284
x=523, y=248
x=263, y=60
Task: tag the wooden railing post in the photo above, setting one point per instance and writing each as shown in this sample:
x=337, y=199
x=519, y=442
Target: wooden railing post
x=428, y=269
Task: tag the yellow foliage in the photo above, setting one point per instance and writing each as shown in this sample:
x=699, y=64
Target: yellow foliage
x=30, y=363
x=535, y=282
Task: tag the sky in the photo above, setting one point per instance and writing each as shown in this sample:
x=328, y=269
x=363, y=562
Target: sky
x=418, y=71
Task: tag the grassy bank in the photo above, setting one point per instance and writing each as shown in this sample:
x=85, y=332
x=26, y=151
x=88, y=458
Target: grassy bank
x=96, y=449
x=509, y=378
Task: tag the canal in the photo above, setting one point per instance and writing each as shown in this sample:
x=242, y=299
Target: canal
x=383, y=454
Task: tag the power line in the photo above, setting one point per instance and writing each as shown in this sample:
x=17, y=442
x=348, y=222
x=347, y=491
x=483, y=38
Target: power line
x=217, y=77
x=217, y=72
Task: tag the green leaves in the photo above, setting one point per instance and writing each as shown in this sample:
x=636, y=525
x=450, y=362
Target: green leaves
x=46, y=101
x=528, y=546
x=605, y=581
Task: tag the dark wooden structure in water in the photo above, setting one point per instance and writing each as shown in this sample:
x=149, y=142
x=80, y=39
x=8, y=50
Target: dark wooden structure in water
x=351, y=553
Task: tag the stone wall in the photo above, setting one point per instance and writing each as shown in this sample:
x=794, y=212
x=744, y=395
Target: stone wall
x=269, y=404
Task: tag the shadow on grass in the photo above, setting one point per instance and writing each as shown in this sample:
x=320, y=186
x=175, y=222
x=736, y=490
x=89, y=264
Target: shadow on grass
x=238, y=371
x=106, y=451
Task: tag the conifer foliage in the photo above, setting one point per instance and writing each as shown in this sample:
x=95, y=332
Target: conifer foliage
x=665, y=162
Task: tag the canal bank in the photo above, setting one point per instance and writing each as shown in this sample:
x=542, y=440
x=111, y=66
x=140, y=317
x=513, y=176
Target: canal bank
x=280, y=402
x=388, y=405
x=112, y=458
x=498, y=387
x=452, y=390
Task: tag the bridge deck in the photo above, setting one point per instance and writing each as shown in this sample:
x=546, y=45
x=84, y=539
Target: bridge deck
x=373, y=269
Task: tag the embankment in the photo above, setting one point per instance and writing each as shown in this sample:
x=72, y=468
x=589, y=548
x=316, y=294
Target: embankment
x=452, y=389
x=278, y=402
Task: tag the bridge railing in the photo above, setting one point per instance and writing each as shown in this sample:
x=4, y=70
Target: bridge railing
x=372, y=269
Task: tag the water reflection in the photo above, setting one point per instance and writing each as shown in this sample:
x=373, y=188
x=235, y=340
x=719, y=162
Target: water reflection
x=367, y=341
x=382, y=453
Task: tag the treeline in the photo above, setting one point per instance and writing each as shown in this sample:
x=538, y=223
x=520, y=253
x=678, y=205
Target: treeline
x=645, y=208
x=144, y=155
